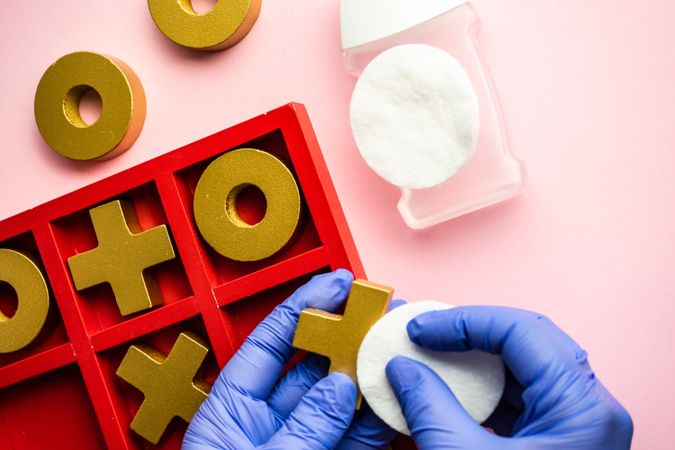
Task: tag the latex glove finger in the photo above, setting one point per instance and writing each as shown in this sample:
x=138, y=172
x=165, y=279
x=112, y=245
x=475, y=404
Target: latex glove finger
x=435, y=417
x=297, y=382
x=256, y=367
x=529, y=342
x=320, y=419
x=396, y=303
x=216, y=426
x=225, y=418
x=367, y=432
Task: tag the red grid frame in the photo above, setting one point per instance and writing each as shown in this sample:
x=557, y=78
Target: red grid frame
x=219, y=299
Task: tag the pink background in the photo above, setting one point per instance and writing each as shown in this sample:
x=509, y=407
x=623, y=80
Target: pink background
x=588, y=91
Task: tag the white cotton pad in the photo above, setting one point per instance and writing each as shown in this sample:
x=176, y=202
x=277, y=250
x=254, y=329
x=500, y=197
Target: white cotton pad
x=475, y=377
x=414, y=115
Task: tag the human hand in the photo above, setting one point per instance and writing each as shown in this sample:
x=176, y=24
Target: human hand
x=249, y=407
x=563, y=404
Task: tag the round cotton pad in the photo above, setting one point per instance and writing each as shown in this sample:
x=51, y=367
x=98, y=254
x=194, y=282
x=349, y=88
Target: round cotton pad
x=475, y=377
x=414, y=116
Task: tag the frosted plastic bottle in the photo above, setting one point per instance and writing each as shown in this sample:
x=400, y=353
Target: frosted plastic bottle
x=492, y=174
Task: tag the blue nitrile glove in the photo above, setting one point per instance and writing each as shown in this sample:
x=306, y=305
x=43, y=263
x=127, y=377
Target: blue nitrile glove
x=249, y=407
x=563, y=404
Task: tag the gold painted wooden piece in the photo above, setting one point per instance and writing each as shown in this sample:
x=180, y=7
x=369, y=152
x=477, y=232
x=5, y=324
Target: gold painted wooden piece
x=215, y=207
x=27, y=280
x=167, y=382
x=339, y=337
x=224, y=26
x=123, y=255
x=57, y=101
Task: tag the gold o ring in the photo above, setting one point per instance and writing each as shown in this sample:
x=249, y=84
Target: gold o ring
x=27, y=280
x=57, y=106
x=224, y=26
x=215, y=205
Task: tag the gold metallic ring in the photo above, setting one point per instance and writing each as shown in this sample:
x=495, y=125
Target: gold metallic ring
x=57, y=106
x=215, y=205
x=225, y=25
x=24, y=276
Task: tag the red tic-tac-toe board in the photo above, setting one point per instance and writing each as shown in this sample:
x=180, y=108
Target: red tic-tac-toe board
x=61, y=391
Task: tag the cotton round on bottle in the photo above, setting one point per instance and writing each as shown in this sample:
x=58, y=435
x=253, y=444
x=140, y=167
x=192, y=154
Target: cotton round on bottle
x=414, y=115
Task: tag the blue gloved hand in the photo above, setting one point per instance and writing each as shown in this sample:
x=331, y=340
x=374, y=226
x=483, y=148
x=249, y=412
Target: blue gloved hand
x=249, y=407
x=563, y=404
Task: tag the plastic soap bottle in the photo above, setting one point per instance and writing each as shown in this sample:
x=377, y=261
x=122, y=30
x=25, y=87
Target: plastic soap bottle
x=492, y=175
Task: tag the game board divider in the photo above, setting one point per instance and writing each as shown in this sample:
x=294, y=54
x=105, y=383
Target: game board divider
x=85, y=356
x=184, y=233
x=313, y=175
x=193, y=256
x=144, y=324
x=37, y=364
x=17, y=224
x=270, y=276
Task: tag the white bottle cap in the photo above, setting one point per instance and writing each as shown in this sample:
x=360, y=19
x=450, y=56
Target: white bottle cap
x=363, y=21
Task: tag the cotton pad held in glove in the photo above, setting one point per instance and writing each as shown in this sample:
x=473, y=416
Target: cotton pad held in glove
x=475, y=377
x=414, y=115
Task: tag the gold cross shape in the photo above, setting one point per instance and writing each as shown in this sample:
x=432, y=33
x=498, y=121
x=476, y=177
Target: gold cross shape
x=166, y=382
x=123, y=254
x=339, y=337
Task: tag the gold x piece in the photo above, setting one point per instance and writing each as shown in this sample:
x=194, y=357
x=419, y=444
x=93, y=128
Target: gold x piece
x=166, y=382
x=123, y=255
x=339, y=337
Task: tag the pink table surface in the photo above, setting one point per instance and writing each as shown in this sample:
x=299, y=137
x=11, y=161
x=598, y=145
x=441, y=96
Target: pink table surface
x=588, y=91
